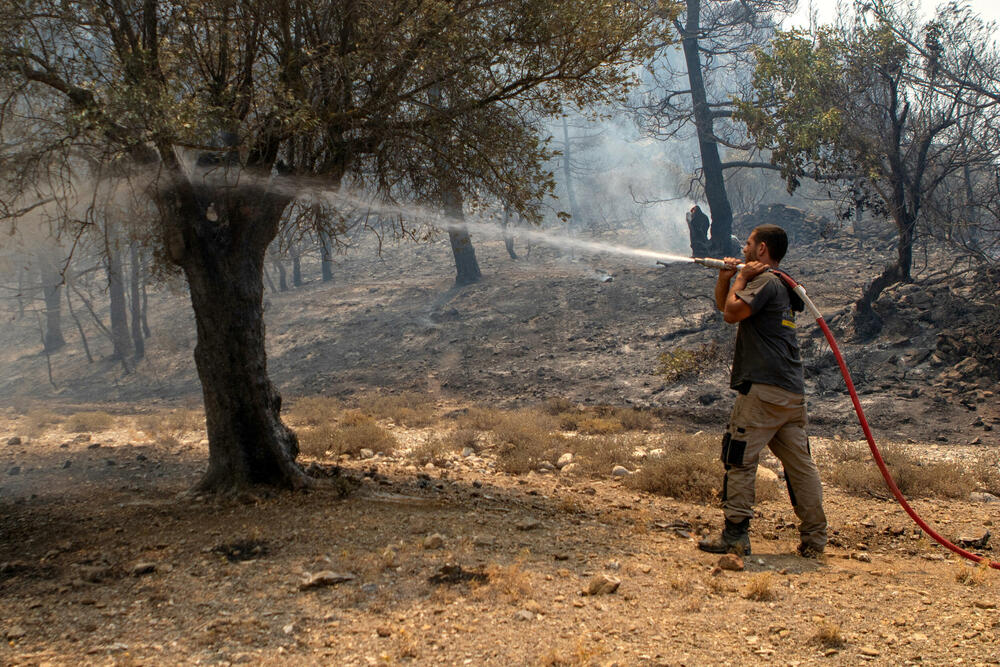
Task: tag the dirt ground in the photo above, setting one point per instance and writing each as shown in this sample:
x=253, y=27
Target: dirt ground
x=105, y=560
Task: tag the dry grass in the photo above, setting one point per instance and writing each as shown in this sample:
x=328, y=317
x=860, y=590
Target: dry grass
x=986, y=474
x=525, y=438
x=435, y=449
x=599, y=425
x=559, y=405
x=760, y=587
x=38, y=420
x=88, y=422
x=829, y=636
x=408, y=408
x=597, y=455
x=511, y=582
x=314, y=410
x=636, y=420
x=976, y=576
x=600, y=420
x=856, y=473
x=688, y=469
x=171, y=424
x=354, y=433
x=480, y=419
x=580, y=655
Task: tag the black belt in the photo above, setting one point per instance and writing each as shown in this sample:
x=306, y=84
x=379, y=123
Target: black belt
x=744, y=387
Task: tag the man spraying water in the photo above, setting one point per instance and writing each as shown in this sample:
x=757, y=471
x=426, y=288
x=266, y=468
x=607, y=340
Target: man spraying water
x=770, y=408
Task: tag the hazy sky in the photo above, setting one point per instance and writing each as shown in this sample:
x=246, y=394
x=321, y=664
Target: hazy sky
x=826, y=10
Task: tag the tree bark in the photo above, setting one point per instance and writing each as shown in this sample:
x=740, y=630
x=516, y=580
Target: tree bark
x=119, y=320
x=326, y=256
x=508, y=239
x=135, y=301
x=711, y=164
x=224, y=265
x=296, y=268
x=867, y=323
x=52, y=338
x=574, y=211
x=466, y=265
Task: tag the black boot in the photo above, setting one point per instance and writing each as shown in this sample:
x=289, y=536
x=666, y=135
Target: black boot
x=735, y=539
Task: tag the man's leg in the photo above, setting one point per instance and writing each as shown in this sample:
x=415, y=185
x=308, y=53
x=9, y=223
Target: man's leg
x=805, y=490
x=746, y=436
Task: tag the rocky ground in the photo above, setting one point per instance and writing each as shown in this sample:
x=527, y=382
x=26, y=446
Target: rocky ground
x=102, y=558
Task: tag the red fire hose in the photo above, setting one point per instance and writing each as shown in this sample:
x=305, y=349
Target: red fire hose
x=876, y=454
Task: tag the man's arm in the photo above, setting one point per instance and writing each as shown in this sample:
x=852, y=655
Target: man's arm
x=734, y=309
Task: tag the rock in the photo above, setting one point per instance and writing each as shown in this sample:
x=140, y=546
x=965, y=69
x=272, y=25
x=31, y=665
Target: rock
x=524, y=615
x=435, y=541
x=530, y=523
x=983, y=497
x=869, y=651
x=383, y=631
x=16, y=470
x=142, y=568
x=570, y=468
x=975, y=542
x=985, y=604
x=467, y=452
x=765, y=474
x=13, y=442
x=546, y=466
x=324, y=578
x=620, y=471
x=731, y=562
x=390, y=557
x=564, y=460
x=94, y=574
x=602, y=584
x=15, y=632
x=67, y=464
x=861, y=556
x=365, y=453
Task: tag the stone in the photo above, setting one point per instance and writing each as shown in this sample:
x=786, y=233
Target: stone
x=365, y=453
x=983, y=497
x=435, y=541
x=15, y=632
x=142, y=568
x=524, y=615
x=564, y=460
x=731, y=562
x=324, y=578
x=16, y=470
x=765, y=474
x=620, y=471
x=871, y=652
x=602, y=584
x=861, y=556
x=13, y=442
x=570, y=468
x=528, y=524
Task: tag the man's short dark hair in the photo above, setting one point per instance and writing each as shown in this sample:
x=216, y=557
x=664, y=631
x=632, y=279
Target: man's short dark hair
x=775, y=238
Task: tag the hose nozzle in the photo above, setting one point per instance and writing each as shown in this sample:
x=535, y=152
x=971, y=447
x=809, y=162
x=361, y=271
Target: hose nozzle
x=713, y=263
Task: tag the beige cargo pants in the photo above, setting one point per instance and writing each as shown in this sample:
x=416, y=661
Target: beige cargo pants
x=776, y=418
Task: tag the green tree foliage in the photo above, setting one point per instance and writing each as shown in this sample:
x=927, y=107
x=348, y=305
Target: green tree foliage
x=861, y=106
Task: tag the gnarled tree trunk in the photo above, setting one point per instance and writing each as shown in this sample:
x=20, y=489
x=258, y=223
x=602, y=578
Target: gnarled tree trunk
x=466, y=265
x=224, y=264
x=867, y=323
x=52, y=280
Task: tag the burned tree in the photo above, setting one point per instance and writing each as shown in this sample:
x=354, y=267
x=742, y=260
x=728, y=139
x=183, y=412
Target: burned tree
x=310, y=97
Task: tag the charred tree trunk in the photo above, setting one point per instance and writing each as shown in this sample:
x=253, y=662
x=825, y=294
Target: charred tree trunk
x=135, y=301
x=79, y=325
x=326, y=256
x=224, y=265
x=296, y=255
x=52, y=280
x=466, y=265
x=867, y=323
x=575, y=221
x=119, y=320
x=711, y=164
x=282, y=274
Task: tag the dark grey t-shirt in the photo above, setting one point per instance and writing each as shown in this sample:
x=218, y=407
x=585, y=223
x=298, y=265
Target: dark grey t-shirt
x=766, y=349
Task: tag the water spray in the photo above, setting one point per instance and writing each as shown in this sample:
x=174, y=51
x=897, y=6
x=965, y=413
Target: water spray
x=876, y=454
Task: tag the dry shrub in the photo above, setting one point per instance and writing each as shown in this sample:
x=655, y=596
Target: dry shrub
x=829, y=636
x=760, y=587
x=526, y=438
x=688, y=470
x=636, y=420
x=599, y=425
x=88, y=422
x=986, y=474
x=480, y=419
x=975, y=576
x=38, y=420
x=687, y=363
x=171, y=423
x=433, y=450
x=349, y=437
x=464, y=437
x=859, y=475
x=314, y=410
x=510, y=581
x=598, y=455
x=581, y=655
x=408, y=408
x=559, y=405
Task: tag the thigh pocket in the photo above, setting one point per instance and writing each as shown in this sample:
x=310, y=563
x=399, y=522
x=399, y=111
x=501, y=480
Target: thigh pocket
x=733, y=450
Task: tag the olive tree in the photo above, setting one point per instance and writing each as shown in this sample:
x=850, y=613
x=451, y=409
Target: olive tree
x=226, y=112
